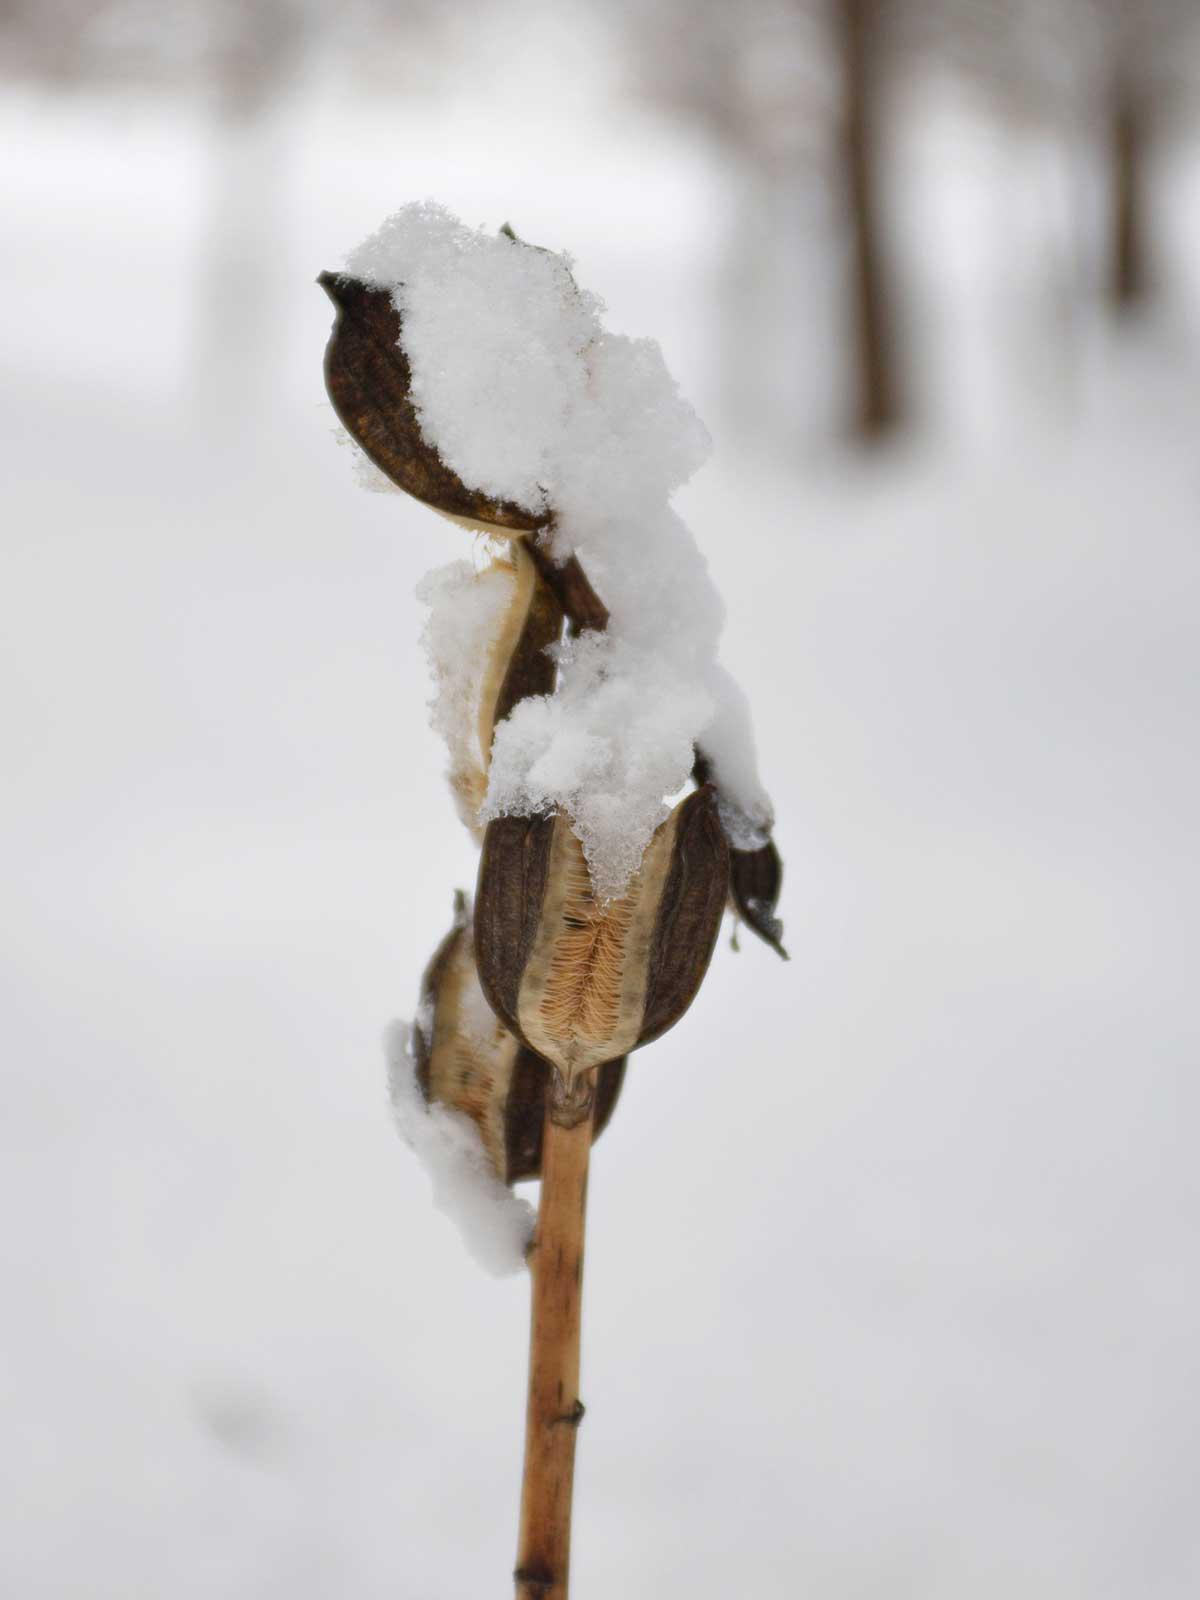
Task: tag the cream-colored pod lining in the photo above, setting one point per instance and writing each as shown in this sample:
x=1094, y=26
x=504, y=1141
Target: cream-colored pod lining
x=503, y=647
x=472, y=1055
x=474, y=525
x=583, y=992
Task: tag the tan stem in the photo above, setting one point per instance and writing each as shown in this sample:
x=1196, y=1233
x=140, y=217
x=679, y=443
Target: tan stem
x=554, y=1410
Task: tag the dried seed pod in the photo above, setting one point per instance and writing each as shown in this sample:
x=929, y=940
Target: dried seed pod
x=755, y=879
x=518, y=664
x=468, y=1060
x=507, y=661
x=369, y=381
x=581, y=982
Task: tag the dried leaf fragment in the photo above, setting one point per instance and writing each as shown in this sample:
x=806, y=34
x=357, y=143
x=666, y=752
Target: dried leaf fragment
x=755, y=878
x=580, y=981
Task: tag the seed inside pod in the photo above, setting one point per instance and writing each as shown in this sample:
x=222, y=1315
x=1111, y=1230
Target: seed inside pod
x=468, y=1060
x=580, y=981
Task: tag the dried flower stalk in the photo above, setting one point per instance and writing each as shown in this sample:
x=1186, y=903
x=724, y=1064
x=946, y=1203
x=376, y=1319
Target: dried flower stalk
x=574, y=983
x=554, y=1409
x=582, y=983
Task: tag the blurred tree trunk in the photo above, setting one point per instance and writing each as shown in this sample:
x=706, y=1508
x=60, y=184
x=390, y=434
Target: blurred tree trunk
x=239, y=318
x=1127, y=271
x=237, y=331
x=876, y=404
x=766, y=303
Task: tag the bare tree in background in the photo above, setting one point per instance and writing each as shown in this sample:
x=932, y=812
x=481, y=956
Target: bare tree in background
x=753, y=80
x=1146, y=57
x=1109, y=77
x=235, y=62
x=238, y=61
x=859, y=35
x=796, y=91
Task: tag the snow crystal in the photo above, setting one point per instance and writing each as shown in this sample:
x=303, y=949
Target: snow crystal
x=495, y=1224
x=529, y=398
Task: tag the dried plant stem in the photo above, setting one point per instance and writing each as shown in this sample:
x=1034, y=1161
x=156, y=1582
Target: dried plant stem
x=554, y=1409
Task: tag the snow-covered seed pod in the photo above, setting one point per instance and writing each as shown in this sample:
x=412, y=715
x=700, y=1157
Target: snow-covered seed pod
x=467, y=1060
x=580, y=981
x=369, y=380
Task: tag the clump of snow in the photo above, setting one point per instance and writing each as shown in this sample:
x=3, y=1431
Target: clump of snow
x=516, y=382
x=746, y=812
x=526, y=395
x=465, y=611
x=614, y=739
x=495, y=1224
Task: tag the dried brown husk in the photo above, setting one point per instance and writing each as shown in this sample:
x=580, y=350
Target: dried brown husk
x=468, y=1060
x=581, y=981
x=369, y=380
x=755, y=878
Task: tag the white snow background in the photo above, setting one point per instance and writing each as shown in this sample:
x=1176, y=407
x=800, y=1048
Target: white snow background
x=892, y=1252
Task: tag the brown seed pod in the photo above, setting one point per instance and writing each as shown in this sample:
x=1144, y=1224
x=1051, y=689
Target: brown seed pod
x=468, y=1060
x=580, y=982
x=369, y=381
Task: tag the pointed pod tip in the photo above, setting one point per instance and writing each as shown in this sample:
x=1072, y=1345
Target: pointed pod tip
x=702, y=799
x=756, y=877
x=332, y=283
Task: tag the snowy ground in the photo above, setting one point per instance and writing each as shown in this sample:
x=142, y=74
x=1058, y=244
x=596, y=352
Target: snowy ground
x=892, y=1260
